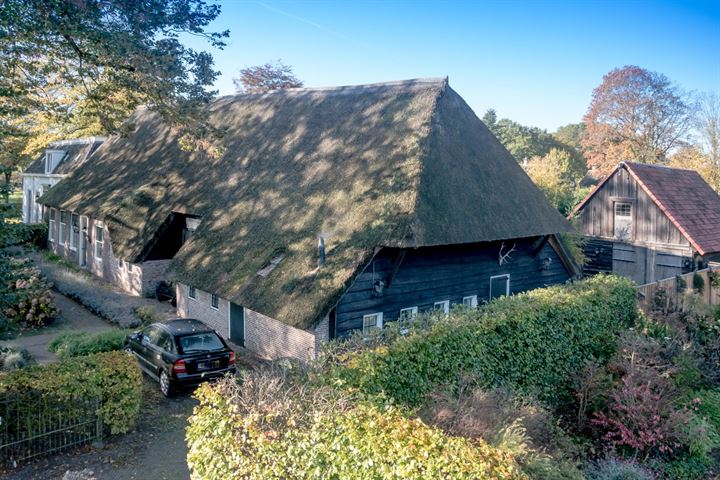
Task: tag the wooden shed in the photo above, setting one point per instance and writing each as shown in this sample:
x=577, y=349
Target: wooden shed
x=650, y=222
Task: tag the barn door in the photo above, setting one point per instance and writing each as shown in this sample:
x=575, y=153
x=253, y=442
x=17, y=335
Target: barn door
x=237, y=324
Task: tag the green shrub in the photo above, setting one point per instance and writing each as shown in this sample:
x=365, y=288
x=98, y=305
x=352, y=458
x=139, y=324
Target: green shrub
x=25, y=298
x=23, y=234
x=147, y=314
x=77, y=344
x=230, y=438
x=532, y=343
x=615, y=469
x=14, y=358
x=113, y=377
x=686, y=468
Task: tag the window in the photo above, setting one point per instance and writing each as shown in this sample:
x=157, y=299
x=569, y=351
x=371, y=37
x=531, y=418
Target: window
x=48, y=162
x=74, y=231
x=98, y=241
x=191, y=293
x=623, y=221
x=214, y=301
x=444, y=306
x=63, y=229
x=408, y=313
x=471, y=301
x=371, y=321
x=51, y=227
x=499, y=286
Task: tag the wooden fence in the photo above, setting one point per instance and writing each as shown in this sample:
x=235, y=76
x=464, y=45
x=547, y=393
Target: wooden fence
x=671, y=294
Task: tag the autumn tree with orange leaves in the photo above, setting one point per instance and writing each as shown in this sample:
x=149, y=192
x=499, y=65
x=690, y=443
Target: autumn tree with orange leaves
x=635, y=115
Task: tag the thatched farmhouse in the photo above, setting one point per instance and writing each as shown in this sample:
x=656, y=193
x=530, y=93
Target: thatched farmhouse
x=650, y=222
x=57, y=161
x=327, y=211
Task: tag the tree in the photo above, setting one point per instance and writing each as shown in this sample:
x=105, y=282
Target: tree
x=77, y=68
x=693, y=158
x=555, y=175
x=708, y=127
x=634, y=115
x=102, y=48
x=570, y=134
x=267, y=77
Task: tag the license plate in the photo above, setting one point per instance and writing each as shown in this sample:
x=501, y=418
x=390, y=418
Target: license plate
x=208, y=365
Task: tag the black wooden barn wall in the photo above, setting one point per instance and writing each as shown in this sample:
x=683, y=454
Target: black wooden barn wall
x=432, y=274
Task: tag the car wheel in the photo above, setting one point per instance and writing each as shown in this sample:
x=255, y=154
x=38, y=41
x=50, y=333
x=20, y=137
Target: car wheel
x=166, y=386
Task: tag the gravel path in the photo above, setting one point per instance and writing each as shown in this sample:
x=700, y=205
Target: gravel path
x=99, y=296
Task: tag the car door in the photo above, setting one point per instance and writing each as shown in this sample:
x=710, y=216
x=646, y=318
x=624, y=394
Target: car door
x=142, y=349
x=155, y=351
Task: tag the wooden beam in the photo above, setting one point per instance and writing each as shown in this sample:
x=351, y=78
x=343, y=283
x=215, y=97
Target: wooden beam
x=396, y=266
x=540, y=243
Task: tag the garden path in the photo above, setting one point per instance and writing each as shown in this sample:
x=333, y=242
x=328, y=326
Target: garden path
x=70, y=317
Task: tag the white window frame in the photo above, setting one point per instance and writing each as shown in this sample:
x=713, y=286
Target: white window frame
x=214, y=299
x=378, y=321
x=472, y=301
x=507, y=284
x=413, y=313
x=192, y=293
x=445, y=306
x=96, y=241
x=51, y=225
x=62, y=233
x=627, y=222
x=48, y=162
x=74, y=235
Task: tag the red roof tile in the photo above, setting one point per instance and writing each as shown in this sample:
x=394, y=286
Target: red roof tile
x=688, y=201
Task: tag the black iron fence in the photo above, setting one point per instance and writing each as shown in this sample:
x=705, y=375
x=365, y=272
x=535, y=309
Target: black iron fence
x=34, y=424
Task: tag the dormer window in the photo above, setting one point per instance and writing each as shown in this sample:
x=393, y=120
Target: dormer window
x=52, y=159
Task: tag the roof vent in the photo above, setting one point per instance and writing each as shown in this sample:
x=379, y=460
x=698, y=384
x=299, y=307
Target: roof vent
x=321, y=251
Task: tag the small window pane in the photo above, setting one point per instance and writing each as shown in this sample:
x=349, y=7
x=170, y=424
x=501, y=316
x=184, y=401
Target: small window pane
x=191, y=293
x=98, y=242
x=470, y=302
x=372, y=321
x=214, y=301
x=408, y=313
x=443, y=306
x=499, y=286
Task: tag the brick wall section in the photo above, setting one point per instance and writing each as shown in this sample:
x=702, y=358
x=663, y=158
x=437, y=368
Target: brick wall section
x=134, y=278
x=265, y=336
x=200, y=309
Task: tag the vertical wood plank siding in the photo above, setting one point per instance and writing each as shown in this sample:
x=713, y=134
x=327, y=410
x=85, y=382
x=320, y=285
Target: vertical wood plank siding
x=432, y=274
x=656, y=250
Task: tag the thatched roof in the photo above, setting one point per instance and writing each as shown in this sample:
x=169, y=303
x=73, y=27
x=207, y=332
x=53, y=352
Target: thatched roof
x=76, y=152
x=398, y=164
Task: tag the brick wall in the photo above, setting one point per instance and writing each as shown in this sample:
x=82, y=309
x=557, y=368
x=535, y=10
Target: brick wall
x=134, y=278
x=200, y=309
x=265, y=336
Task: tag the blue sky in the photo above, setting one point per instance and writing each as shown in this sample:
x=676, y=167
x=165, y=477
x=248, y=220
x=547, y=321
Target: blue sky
x=534, y=62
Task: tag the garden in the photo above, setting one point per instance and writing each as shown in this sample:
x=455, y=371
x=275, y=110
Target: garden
x=566, y=382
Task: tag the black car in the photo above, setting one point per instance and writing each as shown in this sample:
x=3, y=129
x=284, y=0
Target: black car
x=182, y=352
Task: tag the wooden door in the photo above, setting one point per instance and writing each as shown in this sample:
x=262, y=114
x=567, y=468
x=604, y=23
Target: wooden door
x=237, y=324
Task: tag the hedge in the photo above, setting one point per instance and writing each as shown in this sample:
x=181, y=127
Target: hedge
x=364, y=442
x=114, y=377
x=12, y=234
x=532, y=343
x=77, y=344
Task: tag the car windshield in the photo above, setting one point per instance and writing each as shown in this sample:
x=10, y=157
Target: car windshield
x=201, y=342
